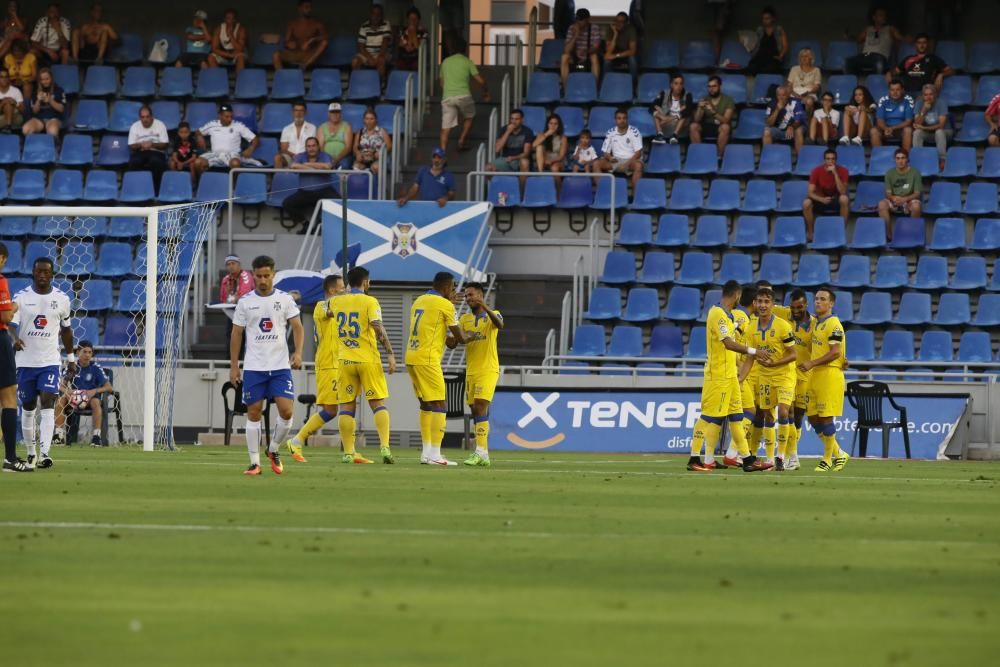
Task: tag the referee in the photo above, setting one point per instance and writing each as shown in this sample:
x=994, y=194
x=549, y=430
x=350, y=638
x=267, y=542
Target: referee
x=8, y=378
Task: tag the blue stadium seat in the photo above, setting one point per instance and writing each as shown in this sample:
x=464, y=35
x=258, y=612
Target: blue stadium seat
x=975, y=347
x=664, y=159
x=642, y=120
x=814, y=271
x=626, y=341
x=672, y=231
x=986, y=235
x=263, y=54
x=100, y=81
x=948, y=234
x=602, y=197
x=854, y=272
x=139, y=82
x=925, y=160
x=78, y=259
x=246, y=113
x=974, y=129
x=35, y=249
x=657, y=268
x=877, y=85
x=539, y=192
x=793, y=54
x=126, y=228
x=339, y=52
x=251, y=189
x=960, y=162
x=119, y=331
x=750, y=231
x=213, y=83
x=650, y=194
x=274, y=116
x=711, y=231
x=619, y=268
x=945, y=198
x=39, y=149
x=761, y=84
x=701, y=159
x=67, y=77
x=842, y=86
x=175, y=187
x=891, y=272
x=686, y=195
x=869, y=234
x=734, y=85
x=213, y=186
x=636, y=229
x=738, y=160
x=860, y=345
x=981, y=199
x=987, y=312
x=552, y=50
x=931, y=273
x=506, y=184
x=761, y=196
x=696, y=269
x=127, y=51
x=605, y=304
x=3, y=185
x=251, y=83
x=852, y=158
x=200, y=113
x=661, y=54
x=666, y=340
x=642, y=305
x=776, y=268
x=28, y=185
x=113, y=151
x=114, y=260
x=66, y=185
x=896, y=346
x=909, y=234
x=751, y=125
x=124, y=113
x=952, y=52
x=984, y=57
x=14, y=226
x=534, y=119
x=364, y=84
x=683, y=304
x=953, y=310
x=696, y=346
x=10, y=149
x=168, y=111
x=936, y=346
x=735, y=266
x=575, y=193
x=829, y=233
x=775, y=160
x=810, y=157
x=792, y=195
x=843, y=307
x=651, y=84
x=616, y=88
x=970, y=273
x=85, y=328
x=137, y=188
x=789, y=232
x=957, y=91
x=325, y=86
x=572, y=367
x=914, y=309
x=102, y=186
x=735, y=53
x=712, y=297
x=600, y=120
x=176, y=82
x=131, y=296
x=91, y=116
x=697, y=54
x=881, y=160
x=987, y=88
x=543, y=88
x=174, y=46
x=572, y=118
x=723, y=195
x=50, y=225
x=867, y=196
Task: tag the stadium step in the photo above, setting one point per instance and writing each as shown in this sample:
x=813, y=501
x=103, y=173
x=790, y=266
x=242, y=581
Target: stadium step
x=535, y=303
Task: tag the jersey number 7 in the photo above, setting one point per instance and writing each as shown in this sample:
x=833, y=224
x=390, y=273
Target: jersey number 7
x=417, y=314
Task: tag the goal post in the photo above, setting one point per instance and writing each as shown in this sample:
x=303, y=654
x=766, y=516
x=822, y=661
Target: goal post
x=153, y=293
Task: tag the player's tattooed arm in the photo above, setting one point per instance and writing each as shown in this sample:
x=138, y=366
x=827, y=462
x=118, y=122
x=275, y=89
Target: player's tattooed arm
x=383, y=339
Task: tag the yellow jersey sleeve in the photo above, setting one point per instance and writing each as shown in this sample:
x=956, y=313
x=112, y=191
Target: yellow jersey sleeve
x=721, y=363
x=325, y=338
x=828, y=333
x=430, y=317
x=481, y=354
x=783, y=312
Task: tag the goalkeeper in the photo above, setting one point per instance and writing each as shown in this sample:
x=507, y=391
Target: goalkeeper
x=92, y=381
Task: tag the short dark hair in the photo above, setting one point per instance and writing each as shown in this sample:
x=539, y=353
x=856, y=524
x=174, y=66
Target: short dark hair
x=330, y=281
x=748, y=295
x=921, y=35
x=621, y=110
x=3, y=250
x=413, y=10
x=299, y=103
x=716, y=79
x=896, y=82
x=261, y=261
x=478, y=286
x=765, y=291
x=441, y=279
x=43, y=260
x=762, y=283
x=676, y=75
x=833, y=295
x=731, y=287
x=357, y=275
x=768, y=9
x=517, y=111
x=829, y=151
x=586, y=132
x=625, y=14
x=582, y=13
x=184, y=124
x=797, y=294
x=901, y=151
x=84, y=343
x=827, y=94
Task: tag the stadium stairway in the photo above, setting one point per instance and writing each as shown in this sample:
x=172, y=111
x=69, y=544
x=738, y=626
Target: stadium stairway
x=212, y=340
x=532, y=304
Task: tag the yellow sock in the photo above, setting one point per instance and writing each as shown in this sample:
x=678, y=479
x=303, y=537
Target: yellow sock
x=382, y=425
x=829, y=447
x=438, y=422
x=783, y=430
x=739, y=439
x=753, y=442
x=482, y=435
x=794, y=434
x=705, y=435
x=768, y=432
x=345, y=420
x=426, y=417
x=315, y=423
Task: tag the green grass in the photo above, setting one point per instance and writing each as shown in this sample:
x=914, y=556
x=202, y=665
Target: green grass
x=547, y=559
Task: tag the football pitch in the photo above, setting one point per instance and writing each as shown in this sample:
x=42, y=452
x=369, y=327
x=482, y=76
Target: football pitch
x=119, y=557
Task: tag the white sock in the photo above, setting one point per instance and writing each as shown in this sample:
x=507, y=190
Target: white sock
x=97, y=431
x=28, y=429
x=253, y=441
x=731, y=452
x=281, y=429
x=48, y=425
x=426, y=453
x=483, y=454
x=435, y=452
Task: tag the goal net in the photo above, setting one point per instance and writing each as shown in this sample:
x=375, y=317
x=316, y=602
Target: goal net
x=131, y=274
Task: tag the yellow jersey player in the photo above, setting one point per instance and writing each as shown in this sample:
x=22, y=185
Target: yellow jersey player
x=826, y=384
x=776, y=379
x=432, y=317
x=357, y=318
x=482, y=365
x=327, y=367
x=742, y=316
x=802, y=327
x=720, y=395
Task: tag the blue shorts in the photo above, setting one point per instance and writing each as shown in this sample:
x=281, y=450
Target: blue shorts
x=34, y=381
x=258, y=385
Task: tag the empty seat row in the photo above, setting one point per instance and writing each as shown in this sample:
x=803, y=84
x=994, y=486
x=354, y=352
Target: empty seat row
x=17, y=227
x=113, y=259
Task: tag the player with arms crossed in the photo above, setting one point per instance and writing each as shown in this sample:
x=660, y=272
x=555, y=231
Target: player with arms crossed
x=432, y=320
x=357, y=319
x=482, y=365
x=802, y=327
x=91, y=380
x=265, y=314
x=720, y=394
x=327, y=368
x=8, y=378
x=744, y=321
x=826, y=383
x=42, y=320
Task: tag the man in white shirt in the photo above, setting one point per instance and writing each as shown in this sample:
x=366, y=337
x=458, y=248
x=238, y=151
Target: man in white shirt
x=147, y=139
x=41, y=321
x=11, y=104
x=226, y=136
x=293, y=137
x=622, y=149
x=51, y=37
x=265, y=315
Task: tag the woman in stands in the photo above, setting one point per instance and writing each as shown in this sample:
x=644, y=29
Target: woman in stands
x=804, y=79
x=772, y=45
x=368, y=141
x=47, y=106
x=858, y=116
x=550, y=147
x=13, y=28
x=22, y=66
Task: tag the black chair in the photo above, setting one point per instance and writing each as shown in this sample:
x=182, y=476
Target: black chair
x=237, y=407
x=308, y=400
x=455, y=403
x=111, y=404
x=866, y=397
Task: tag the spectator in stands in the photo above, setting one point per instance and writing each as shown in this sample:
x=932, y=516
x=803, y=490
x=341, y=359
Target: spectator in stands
x=713, y=117
x=51, y=37
x=622, y=47
x=877, y=42
x=293, y=136
x=48, y=103
x=992, y=114
x=858, y=115
x=920, y=68
x=433, y=183
x=184, y=150
x=92, y=381
x=312, y=187
x=93, y=38
x=456, y=95
x=14, y=28
x=584, y=156
x=804, y=80
x=551, y=147
x=236, y=283
x=930, y=117
x=894, y=118
x=903, y=188
x=722, y=11
x=147, y=140
x=583, y=43
x=785, y=122
x=305, y=40
x=825, y=123
x=622, y=149
x=229, y=44
x=197, y=42
x=374, y=43
x=226, y=136
x=11, y=104
x=514, y=146
x=22, y=67
x=336, y=137
x=368, y=142
x=411, y=36
x=772, y=45
x=672, y=111
x=563, y=15
x=827, y=192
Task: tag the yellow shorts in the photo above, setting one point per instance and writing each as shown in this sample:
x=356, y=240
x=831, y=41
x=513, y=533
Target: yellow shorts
x=354, y=375
x=481, y=386
x=428, y=383
x=772, y=392
x=826, y=393
x=326, y=386
x=721, y=398
x=802, y=393
x=747, y=397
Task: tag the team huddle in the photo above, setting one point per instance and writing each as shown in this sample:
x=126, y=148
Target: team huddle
x=765, y=358
x=349, y=332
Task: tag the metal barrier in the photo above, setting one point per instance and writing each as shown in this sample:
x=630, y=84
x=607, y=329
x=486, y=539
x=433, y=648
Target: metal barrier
x=505, y=104
x=491, y=142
